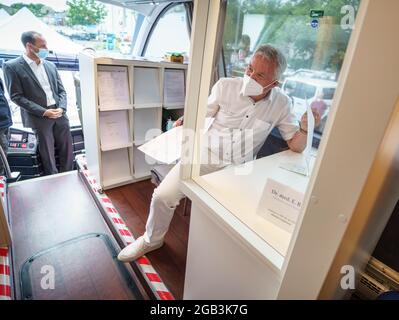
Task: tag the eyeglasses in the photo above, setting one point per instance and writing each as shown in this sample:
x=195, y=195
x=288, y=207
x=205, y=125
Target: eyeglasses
x=251, y=72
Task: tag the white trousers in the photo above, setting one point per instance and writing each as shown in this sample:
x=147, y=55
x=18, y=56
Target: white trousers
x=165, y=199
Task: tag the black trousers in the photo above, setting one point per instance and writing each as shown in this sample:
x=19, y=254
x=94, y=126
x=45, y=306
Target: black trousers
x=4, y=145
x=51, y=134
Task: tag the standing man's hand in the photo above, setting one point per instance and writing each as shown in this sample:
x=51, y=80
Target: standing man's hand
x=53, y=113
x=60, y=111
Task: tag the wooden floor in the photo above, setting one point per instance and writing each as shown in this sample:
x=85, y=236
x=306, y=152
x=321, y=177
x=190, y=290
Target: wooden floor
x=133, y=202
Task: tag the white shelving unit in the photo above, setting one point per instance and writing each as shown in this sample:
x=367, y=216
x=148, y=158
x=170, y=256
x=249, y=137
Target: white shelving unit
x=142, y=167
x=147, y=89
x=122, y=104
x=146, y=124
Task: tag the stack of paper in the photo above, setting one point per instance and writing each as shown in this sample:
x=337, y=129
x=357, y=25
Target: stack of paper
x=113, y=87
x=304, y=167
x=166, y=148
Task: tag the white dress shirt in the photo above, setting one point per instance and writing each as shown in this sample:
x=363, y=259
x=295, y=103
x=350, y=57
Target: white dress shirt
x=42, y=77
x=243, y=123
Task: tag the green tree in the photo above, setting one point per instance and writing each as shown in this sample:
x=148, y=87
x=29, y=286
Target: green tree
x=38, y=9
x=85, y=12
x=287, y=27
x=6, y=8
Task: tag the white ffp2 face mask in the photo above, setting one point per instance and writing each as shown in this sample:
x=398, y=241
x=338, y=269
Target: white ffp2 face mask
x=251, y=88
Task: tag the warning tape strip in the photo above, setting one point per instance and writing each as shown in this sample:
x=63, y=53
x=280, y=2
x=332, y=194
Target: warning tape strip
x=156, y=284
x=5, y=282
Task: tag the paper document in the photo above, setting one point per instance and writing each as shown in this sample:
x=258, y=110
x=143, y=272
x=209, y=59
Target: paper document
x=309, y=141
x=280, y=204
x=174, y=87
x=113, y=87
x=303, y=167
x=146, y=86
x=114, y=128
x=166, y=148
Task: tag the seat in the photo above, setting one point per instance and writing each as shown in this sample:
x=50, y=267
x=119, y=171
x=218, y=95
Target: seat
x=273, y=144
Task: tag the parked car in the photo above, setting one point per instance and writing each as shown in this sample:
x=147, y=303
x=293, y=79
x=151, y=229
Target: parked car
x=80, y=36
x=306, y=90
x=314, y=74
x=125, y=47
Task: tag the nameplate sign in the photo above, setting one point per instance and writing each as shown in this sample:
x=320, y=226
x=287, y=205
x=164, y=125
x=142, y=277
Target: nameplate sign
x=280, y=204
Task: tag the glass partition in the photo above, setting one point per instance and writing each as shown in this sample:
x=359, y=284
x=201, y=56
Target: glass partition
x=313, y=35
x=283, y=93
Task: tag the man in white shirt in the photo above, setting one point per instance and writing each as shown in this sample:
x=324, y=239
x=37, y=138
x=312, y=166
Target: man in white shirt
x=35, y=85
x=252, y=104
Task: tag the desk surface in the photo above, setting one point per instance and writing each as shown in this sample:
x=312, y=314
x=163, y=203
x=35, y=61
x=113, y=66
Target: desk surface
x=241, y=194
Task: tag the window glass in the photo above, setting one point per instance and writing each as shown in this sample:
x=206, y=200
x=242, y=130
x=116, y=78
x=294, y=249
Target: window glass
x=68, y=79
x=314, y=43
x=170, y=34
x=328, y=93
x=68, y=29
x=70, y=26
x=248, y=169
x=309, y=91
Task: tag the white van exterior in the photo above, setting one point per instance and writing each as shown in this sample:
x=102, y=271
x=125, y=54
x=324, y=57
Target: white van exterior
x=301, y=89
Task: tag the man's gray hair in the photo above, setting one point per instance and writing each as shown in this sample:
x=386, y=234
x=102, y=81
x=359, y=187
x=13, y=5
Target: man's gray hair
x=274, y=55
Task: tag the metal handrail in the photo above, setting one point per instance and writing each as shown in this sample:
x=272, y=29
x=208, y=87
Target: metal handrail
x=11, y=176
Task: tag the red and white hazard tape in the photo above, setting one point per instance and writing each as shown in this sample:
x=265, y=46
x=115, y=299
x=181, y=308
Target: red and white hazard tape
x=158, y=287
x=5, y=284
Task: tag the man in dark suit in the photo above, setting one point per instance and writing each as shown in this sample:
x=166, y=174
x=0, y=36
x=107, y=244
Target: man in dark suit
x=5, y=123
x=35, y=85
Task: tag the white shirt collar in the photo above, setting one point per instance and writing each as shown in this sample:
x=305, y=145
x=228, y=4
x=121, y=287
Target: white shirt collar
x=271, y=95
x=29, y=61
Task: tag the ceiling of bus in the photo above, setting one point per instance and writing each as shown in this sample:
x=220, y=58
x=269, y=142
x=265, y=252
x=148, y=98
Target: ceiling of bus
x=145, y=7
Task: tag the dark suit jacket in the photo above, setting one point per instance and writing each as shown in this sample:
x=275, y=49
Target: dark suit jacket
x=5, y=113
x=25, y=90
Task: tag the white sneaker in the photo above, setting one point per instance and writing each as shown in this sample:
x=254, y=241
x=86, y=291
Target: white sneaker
x=137, y=249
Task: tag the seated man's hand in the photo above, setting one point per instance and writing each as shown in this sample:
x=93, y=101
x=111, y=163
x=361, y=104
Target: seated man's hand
x=304, y=120
x=178, y=122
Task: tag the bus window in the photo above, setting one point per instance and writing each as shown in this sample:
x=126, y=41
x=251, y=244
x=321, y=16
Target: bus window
x=170, y=34
x=314, y=51
x=113, y=29
x=328, y=93
x=308, y=91
x=67, y=78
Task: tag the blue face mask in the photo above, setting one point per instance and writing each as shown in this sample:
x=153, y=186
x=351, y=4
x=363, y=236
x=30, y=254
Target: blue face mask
x=42, y=54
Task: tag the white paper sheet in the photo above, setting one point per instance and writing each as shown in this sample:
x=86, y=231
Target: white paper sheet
x=166, y=148
x=304, y=167
x=114, y=128
x=280, y=204
x=174, y=87
x=147, y=86
x=309, y=140
x=113, y=87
